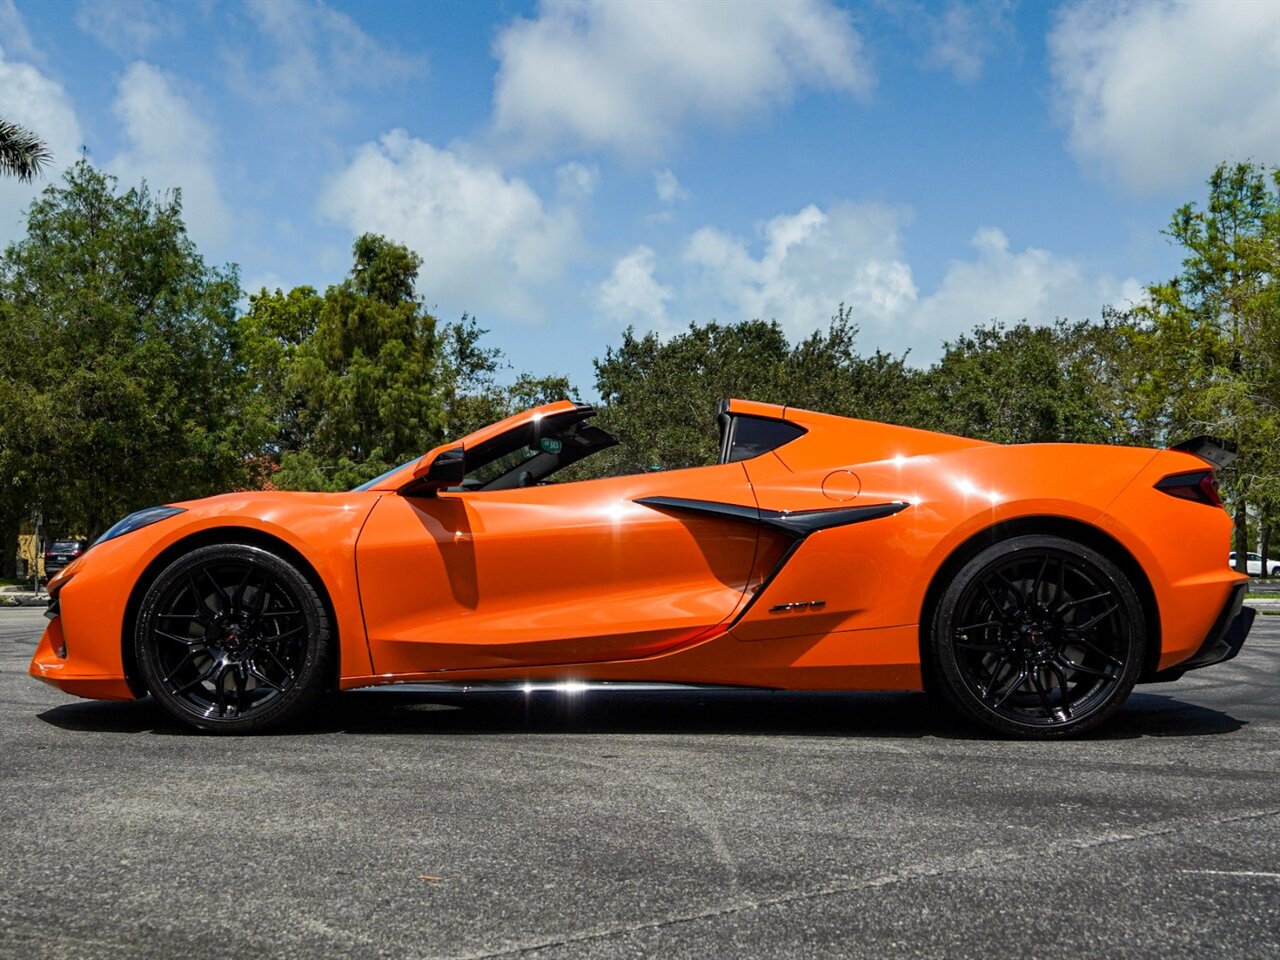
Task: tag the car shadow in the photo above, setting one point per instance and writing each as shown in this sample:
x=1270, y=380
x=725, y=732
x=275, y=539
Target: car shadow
x=401, y=711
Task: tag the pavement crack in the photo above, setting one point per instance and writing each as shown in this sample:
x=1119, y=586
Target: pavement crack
x=978, y=859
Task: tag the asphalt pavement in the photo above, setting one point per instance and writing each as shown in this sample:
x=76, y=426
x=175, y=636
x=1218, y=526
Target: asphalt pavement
x=410, y=823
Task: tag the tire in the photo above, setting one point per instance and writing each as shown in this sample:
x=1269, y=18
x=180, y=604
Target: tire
x=231, y=638
x=1037, y=637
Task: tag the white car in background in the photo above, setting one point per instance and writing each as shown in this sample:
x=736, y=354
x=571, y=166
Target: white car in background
x=1253, y=564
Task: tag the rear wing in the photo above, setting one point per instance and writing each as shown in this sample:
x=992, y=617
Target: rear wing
x=1214, y=450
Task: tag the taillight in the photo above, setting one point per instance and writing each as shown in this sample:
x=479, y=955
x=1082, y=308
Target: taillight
x=1200, y=486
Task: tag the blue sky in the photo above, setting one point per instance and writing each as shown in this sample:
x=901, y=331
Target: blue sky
x=566, y=169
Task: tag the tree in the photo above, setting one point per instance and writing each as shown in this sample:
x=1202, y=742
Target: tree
x=1207, y=340
x=659, y=397
x=22, y=153
x=117, y=380
x=362, y=377
x=352, y=379
x=476, y=397
x=1023, y=384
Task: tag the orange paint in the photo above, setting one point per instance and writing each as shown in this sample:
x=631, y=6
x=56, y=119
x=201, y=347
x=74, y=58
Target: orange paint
x=580, y=581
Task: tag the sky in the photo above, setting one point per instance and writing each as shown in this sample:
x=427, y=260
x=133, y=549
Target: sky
x=568, y=169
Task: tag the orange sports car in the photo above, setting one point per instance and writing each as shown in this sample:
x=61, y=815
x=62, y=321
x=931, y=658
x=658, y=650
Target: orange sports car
x=1030, y=586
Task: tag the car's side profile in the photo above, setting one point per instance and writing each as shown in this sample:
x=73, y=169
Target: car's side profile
x=1029, y=586
x=1253, y=564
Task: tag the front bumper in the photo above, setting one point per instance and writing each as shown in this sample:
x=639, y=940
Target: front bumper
x=1224, y=639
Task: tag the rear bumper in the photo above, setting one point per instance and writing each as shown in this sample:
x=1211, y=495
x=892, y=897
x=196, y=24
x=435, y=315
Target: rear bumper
x=1224, y=639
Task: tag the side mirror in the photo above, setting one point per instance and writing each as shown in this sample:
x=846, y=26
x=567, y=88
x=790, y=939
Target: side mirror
x=445, y=466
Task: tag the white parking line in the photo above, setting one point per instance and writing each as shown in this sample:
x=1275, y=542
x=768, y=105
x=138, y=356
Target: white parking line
x=1237, y=873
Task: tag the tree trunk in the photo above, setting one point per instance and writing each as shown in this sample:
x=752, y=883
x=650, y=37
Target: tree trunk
x=1241, y=541
x=1264, y=541
x=9, y=527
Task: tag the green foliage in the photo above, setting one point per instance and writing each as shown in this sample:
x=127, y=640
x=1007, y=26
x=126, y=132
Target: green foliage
x=476, y=398
x=22, y=153
x=351, y=379
x=361, y=378
x=660, y=397
x=1023, y=384
x=1207, y=340
x=117, y=379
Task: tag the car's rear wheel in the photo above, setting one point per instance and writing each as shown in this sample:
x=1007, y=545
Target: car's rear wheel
x=1038, y=637
x=233, y=638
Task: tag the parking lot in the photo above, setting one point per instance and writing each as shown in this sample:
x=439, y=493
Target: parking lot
x=407, y=823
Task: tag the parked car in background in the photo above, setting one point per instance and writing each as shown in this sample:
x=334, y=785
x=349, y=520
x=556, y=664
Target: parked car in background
x=62, y=552
x=1253, y=564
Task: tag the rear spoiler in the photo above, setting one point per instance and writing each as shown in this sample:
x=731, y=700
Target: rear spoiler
x=1215, y=450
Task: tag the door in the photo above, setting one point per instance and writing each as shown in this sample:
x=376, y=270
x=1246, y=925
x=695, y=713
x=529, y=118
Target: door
x=551, y=574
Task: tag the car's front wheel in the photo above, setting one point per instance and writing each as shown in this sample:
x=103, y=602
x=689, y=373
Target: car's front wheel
x=1038, y=637
x=233, y=638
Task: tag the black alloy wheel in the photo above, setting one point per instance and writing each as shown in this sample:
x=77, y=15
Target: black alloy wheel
x=233, y=638
x=1038, y=637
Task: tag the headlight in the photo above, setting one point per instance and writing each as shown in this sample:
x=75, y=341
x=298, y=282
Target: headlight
x=138, y=520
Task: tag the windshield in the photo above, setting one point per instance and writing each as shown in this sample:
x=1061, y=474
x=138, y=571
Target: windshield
x=369, y=484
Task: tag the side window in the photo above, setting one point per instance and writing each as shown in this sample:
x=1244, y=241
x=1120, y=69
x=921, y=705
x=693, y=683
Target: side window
x=746, y=437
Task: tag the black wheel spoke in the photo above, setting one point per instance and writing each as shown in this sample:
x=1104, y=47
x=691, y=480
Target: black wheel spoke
x=1072, y=604
x=1018, y=681
x=1018, y=598
x=205, y=677
x=181, y=665
x=1113, y=660
x=243, y=585
x=997, y=605
x=201, y=600
x=1042, y=693
x=279, y=664
x=1065, y=698
x=239, y=678
x=978, y=626
x=261, y=677
x=217, y=589
x=220, y=690
x=186, y=641
x=1094, y=621
x=1019, y=656
x=252, y=645
x=1081, y=668
x=1035, y=586
x=995, y=677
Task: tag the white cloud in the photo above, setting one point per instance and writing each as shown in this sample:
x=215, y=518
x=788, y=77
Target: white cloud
x=668, y=188
x=632, y=295
x=963, y=35
x=1157, y=94
x=627, y=76
x=811, y=262
x=13, y=29
x=170, y=146
x=33, y=100
x=485, y=239
x=319, y=52
x=128, y=27
x=576, y=181
x=1000, y=284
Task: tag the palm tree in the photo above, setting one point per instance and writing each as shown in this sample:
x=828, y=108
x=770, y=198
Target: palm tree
x=22, y=153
